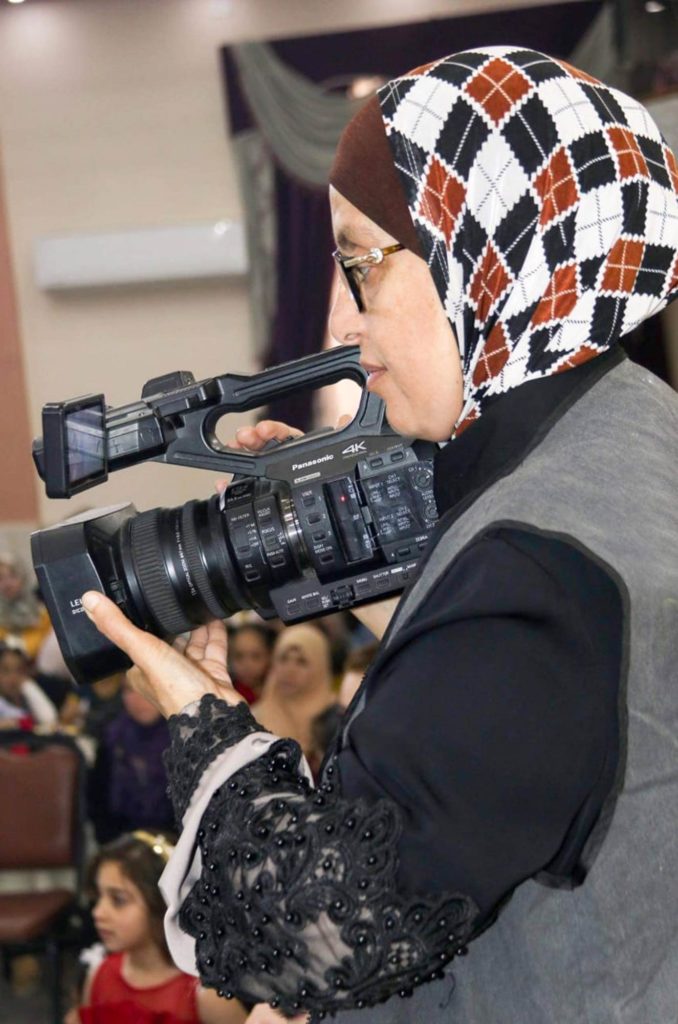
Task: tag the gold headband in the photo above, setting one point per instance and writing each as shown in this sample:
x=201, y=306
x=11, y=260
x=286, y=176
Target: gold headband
x=157, y=843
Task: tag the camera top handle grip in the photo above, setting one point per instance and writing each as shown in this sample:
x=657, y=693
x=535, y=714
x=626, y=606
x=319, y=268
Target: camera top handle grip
x=176, y=418
x=201, y=448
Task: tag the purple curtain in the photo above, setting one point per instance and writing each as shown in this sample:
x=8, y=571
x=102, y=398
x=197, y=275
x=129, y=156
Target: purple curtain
x=303, y=224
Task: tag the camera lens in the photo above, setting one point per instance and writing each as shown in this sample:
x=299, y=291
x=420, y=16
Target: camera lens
x=208, y=559
x=166, y=568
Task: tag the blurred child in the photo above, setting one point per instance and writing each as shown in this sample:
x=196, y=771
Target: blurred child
x=250, y=649
x=136, y=981
x=104, y=703
x=127, y=787
x=22, y=702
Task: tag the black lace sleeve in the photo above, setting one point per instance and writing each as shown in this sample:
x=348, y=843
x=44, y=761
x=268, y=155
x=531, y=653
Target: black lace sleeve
x=197, y=739
x=297, y=903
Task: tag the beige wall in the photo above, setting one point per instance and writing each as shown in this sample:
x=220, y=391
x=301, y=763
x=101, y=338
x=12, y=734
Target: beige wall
x=18, y=495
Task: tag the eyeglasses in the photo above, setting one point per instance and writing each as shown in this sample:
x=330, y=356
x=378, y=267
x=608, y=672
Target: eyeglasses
x=353, y=269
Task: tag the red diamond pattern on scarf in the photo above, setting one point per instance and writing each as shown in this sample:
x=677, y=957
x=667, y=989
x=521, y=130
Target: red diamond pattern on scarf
x=557, y=187
x=622, y=265
x=672, y=167
x=559, y=172
x=673, y=283
x=493, y=356
x=631, y=160
x=582, y=355
x=471, y=416
x=442, y=198
x=577, y=73
x=560, y=296
x=489, y=283
x=497, y=87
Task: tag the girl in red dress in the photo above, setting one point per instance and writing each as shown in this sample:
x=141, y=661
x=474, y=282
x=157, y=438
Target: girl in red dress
x=136, y=982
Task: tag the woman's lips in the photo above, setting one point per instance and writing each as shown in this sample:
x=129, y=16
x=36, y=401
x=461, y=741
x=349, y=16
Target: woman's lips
x=374, y=373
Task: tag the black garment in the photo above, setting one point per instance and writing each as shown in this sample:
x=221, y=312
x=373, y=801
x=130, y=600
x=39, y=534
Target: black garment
x=478, y=753
x=492, y=719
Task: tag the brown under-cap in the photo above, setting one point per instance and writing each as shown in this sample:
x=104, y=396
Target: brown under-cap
x=364, y=173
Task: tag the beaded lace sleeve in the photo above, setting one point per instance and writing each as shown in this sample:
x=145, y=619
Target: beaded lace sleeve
x=296, y=904
x=197, y=737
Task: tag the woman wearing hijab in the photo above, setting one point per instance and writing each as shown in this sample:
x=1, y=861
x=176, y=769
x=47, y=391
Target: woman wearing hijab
x=506, y=777
x=23, y=619
x=299, y=685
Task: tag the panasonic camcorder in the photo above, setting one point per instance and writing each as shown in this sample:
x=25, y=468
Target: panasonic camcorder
x=309, y=526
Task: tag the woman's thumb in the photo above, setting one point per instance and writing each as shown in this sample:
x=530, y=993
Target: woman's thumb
x=110, y=621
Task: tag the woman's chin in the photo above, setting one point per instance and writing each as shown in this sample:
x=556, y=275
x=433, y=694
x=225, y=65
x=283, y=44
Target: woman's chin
x=421, y=428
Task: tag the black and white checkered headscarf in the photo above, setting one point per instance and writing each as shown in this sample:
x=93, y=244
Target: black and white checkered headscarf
x=546, y=208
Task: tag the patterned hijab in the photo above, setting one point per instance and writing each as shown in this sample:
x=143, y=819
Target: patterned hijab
x=545, y=205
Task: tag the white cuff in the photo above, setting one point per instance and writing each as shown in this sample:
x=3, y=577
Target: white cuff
x=185, y=864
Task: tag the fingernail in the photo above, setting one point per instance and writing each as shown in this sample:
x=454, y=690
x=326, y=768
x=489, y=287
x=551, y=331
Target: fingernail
x=90, y=600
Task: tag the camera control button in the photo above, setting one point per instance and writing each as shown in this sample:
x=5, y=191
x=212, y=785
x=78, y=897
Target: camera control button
x=397, y=456
x=277, y=560
x=404, y=552
x=342, y=596
x=252, y=575
x=376, y=462
x=319, y=535
x=308, y=501
x=423, y=478
x=327, y=558
x=314, y=518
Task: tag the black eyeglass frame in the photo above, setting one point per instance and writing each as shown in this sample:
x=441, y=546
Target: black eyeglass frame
x=347, y=264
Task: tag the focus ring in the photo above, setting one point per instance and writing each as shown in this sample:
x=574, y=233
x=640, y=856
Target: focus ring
x=195, y=564
x=154, y=580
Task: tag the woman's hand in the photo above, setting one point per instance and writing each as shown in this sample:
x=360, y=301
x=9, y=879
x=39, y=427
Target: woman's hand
x=375, y=616
x=170, y=676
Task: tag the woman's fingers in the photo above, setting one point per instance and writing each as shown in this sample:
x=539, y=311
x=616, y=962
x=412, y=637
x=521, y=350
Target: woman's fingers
x=163, y=675
x=143, y=648
x=180, y=643
x=254, y=438
x=216, y=647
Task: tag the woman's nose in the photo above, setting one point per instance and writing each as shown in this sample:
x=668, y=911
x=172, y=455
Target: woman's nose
x=345, y=322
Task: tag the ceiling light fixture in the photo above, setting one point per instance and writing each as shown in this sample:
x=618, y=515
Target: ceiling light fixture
x=654, y=6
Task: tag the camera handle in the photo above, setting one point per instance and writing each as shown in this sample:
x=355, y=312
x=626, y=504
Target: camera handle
x=194, y=442
x=176, y=418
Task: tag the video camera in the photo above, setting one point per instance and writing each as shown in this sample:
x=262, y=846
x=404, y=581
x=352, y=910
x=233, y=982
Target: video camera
x=307, y=527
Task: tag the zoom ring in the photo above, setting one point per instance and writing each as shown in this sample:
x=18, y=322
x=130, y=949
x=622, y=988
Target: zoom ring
x=154, y=580
x=195, y=564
